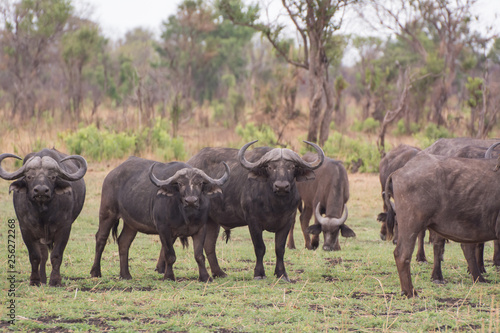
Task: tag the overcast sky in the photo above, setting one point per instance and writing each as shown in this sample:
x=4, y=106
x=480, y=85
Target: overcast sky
x=116, y=17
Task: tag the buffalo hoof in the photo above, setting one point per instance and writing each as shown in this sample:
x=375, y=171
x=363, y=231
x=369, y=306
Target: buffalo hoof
x=95, y=274
x=260, y=277
x=160, y=270
x=437, y=281
x=409, y=294
x=421, y=260
x=35, y=283
x=220, y=274
x=126, y=277
x=208, y=279
x=55, y=283
x=383, y=237
x=285, y=278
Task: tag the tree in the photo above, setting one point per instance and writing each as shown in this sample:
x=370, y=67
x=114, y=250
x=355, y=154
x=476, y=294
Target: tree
x=78, y=49
x=314, y=22
x=437, y=31
x=31, y=31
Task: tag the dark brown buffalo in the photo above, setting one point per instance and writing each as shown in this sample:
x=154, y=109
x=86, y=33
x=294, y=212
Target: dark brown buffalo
x=326, y=194
x=261, y=193
x=455, y=197
x=169, y=199
x=392, y=161
x=48, y=197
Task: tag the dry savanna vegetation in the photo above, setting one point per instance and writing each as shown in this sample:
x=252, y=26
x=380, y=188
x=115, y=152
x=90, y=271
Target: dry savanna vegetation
x=220, y=75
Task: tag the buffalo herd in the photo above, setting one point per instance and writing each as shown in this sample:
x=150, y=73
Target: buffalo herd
x=449, y=189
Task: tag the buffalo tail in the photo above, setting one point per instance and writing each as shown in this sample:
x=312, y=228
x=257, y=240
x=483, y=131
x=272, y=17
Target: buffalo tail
x=391, y=214
x=184, y=242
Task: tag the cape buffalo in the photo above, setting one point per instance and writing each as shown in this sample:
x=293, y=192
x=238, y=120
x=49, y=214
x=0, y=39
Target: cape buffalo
x=455, y=197
x=170, y=199
x=326, y=194
x=392, y=161
x=48, y=197
x=260, y=193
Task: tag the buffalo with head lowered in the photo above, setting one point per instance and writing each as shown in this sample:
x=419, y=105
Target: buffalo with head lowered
x=169, y=199
x=327, y=194
x=48, y=197
x=261, y=193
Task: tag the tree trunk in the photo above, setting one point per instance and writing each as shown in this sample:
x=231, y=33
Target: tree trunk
x=328, y=114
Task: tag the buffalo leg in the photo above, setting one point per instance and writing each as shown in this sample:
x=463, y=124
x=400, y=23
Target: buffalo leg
x=279, y=243
x=291, y=241
x=305, y=217
x=167, y=243
x=407, y=237
x=210, y=242
x=480, y=257
x=198, y=243
x=44, y=251
x=61, y=240
x=106, y=222
x=496, y=253
x=260, y=251
x=160, y=264
x=124, y=241
x=438, y=247
x=469, y=251
x=421, y=250
x=35, y=259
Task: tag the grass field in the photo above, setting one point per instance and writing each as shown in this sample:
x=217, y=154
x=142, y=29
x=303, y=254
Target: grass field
x=356, y=289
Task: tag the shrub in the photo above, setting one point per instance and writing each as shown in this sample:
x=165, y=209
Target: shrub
x=98, y=145
x=430, y=134
x=369, y=125
x=351, y=152
x=401, y=128
x=263, y=133
x=95, y=144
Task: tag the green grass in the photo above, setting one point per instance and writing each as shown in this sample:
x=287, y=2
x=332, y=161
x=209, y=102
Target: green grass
x=356, y=289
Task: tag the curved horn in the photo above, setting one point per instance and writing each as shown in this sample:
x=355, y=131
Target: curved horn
x=11, y=175
x=221, y=180
x=321, y=156
x=241, y=157
x=490, y=150
x=76, y=175
x=167, y=181
x=331, y=221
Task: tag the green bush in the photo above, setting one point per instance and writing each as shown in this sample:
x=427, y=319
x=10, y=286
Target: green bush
x=350, y=151
x=163, y=145
x=430, y=134
x=98, y=145
x=263, y=133
x=401, y=128
x=369, y=125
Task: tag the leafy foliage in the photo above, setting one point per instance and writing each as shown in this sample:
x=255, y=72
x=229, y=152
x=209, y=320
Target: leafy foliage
x=431, y=133
x=103, y=144
x=263, y=133
x=353, y=152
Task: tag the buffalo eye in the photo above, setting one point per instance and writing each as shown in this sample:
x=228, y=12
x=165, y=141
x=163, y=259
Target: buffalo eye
x=29, y=177
x=52, y=178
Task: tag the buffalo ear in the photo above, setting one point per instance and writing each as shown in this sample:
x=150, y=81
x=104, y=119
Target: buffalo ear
x=62, y=187
x=18, y=186
x=314, y=229
x=167, y=190
x=305, y=175
x=211, y=189
x=345, y=231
